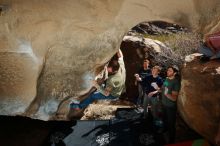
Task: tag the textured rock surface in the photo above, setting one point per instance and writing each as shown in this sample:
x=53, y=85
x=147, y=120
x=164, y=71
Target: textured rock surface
x=199, y=100
x=108, y=109
x=49, y=49
x=135, y=49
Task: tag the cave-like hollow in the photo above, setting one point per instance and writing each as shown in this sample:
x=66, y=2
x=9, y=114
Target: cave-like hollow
x=26, y=131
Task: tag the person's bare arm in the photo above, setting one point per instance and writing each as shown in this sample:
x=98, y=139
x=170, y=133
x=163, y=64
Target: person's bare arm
x=152, y=93
x=119, y=54
x=105, y=91
x=173, y=96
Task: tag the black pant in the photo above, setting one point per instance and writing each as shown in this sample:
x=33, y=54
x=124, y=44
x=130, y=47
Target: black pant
x=170, y=122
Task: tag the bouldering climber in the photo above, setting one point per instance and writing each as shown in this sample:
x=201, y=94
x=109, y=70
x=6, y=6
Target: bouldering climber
x=115, y=85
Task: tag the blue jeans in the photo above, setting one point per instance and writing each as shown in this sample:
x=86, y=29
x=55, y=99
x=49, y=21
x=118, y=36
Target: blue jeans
x=90, y=99
x=208, y=52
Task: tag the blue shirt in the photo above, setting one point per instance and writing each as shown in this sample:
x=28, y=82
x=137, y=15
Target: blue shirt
x=143, y=74
x=148, y=80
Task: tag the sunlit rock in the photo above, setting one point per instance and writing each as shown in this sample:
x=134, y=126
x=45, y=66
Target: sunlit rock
x=199, y=100
x=108, y=109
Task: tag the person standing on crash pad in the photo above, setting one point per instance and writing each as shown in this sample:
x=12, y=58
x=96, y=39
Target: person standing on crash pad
x=170, y=92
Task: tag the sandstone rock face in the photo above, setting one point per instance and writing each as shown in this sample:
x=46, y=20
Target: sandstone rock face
x=199, y=100
x=49, y=49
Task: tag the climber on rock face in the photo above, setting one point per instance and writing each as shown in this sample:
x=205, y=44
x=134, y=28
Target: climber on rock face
x=115, y=85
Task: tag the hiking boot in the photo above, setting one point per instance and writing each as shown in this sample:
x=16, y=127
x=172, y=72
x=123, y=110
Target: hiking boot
x=75, y=112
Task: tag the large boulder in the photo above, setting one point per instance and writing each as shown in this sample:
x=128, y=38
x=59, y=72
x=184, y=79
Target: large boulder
x=199, y=100
x=135, y=50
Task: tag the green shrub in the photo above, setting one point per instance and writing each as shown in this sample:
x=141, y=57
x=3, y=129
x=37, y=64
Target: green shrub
x=178, y=46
